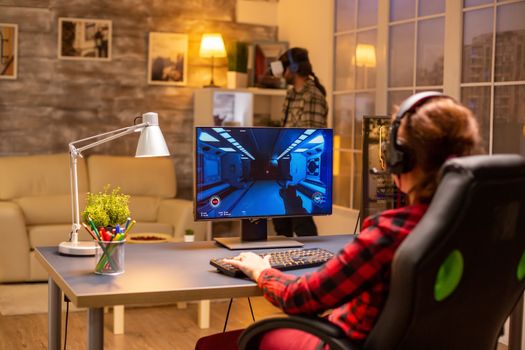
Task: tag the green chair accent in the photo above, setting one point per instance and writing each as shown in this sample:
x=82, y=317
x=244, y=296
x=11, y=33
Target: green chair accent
x=449, y=275
x=520, y=272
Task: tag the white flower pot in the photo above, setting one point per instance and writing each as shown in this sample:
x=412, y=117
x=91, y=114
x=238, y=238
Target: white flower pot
x=189, y=238
x=236, y=80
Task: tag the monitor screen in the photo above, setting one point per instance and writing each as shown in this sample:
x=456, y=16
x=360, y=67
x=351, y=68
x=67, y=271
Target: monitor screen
x=258, y=172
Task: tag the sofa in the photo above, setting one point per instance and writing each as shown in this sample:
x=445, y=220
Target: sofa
x=35, y=203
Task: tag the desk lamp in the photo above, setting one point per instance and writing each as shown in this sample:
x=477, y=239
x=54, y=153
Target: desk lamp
x=151, y=144
x=212, y=46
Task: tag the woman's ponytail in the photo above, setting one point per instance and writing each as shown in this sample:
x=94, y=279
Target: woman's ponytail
x=318, y=84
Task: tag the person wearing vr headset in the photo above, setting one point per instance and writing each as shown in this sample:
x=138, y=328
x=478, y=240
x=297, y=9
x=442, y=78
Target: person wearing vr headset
x=305, y=106
x=428, y=129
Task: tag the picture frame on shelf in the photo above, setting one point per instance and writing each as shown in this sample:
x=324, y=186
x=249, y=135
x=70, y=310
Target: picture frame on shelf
x=265, y=52
x=8, y=50
x=168, y=59
x=84, y=39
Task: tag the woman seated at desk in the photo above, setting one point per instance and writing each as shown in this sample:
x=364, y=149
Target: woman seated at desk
x=428, y=129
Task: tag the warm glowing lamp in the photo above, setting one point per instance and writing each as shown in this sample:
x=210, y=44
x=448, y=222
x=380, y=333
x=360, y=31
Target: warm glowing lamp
x=151, y=144
x=212, y=46
x=365, y=55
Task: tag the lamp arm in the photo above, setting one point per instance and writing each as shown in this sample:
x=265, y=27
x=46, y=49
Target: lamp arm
x=115, y=134
x=74, y=153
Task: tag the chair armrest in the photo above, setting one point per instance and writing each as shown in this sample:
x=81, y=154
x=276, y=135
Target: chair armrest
x=325, y=330
x=179, y=213
x=14, y=250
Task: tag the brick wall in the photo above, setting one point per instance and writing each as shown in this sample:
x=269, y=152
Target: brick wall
x=53, y=102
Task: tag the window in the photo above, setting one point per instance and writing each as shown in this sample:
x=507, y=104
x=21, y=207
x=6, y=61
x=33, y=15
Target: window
x=416, y=47
x=354, y=92
x=493, y=72
x=488, y=72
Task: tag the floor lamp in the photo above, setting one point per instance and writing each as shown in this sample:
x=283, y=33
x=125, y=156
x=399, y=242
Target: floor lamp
x=151, y=144
x=365, y=55
x=212, y=46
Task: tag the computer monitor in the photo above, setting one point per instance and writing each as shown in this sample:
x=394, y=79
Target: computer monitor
x=255, y=173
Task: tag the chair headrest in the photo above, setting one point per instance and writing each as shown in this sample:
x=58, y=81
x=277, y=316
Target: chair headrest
x=487, y=166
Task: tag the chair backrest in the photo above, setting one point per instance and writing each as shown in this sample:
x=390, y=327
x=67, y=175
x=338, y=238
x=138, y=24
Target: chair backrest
x=458, y=275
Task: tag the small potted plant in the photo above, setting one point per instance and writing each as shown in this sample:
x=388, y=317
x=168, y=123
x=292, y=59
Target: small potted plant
x=237, y=76
x=107, y=209
x=188, y=235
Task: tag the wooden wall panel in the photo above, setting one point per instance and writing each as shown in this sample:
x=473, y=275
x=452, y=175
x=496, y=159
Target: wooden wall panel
x=56, y=101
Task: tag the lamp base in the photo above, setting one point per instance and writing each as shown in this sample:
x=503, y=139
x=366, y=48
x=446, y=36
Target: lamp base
x=78, y=249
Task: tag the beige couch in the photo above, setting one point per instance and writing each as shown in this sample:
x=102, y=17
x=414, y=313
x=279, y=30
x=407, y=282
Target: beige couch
x=35, y=205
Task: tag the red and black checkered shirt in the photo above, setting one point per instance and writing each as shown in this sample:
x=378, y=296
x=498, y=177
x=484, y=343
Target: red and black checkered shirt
x=354, y=283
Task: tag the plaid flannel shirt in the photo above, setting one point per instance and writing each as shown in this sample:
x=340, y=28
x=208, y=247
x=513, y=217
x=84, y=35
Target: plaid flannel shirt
x=306, y=108
x=355, y=282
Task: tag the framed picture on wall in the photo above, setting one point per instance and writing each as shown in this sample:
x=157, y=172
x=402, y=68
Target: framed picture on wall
x=8, y=50
x=84, y=39
x=264, y=53
x=168, y=59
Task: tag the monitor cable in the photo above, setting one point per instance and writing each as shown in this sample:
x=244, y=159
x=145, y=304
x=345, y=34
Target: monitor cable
x=228, y=313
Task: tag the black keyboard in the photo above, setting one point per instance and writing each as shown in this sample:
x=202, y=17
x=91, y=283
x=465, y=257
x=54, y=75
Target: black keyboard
x=281, y=260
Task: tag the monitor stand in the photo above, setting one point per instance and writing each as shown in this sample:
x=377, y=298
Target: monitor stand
x=254, y=236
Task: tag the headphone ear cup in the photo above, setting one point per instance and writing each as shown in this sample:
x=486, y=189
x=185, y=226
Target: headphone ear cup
x=399, y=158
x=394, y=154
x=294, y=66
x=407, y=162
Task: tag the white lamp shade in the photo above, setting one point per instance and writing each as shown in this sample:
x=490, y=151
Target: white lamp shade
x=212, y=45
x=151, y=142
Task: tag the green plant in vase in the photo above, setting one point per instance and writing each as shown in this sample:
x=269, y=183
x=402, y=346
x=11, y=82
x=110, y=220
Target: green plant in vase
x=237, y=64
x=237, y=56
x=189, y=235
x=107, y=208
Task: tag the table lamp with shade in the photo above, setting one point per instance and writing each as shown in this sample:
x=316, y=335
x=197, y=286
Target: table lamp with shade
x=365, y=56
x=151, y=144
x=212, y=46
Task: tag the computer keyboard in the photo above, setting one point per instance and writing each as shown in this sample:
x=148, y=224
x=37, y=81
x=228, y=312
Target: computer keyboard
x=283, y=260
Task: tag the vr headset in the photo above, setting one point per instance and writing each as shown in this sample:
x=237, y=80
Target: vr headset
x=277, y=67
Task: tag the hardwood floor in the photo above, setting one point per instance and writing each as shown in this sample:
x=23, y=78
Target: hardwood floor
x=147, y=328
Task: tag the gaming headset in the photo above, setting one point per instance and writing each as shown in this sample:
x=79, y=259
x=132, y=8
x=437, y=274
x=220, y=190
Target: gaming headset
x=294, y=66
x=398, y=157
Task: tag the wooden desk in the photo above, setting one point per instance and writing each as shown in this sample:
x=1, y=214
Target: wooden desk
x=154, y=273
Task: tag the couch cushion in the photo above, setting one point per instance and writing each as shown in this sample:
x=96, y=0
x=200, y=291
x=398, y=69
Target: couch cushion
x=46, y=210
x=135, y=176
x=51, y=235
x=144, y=208
x=39, y=175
